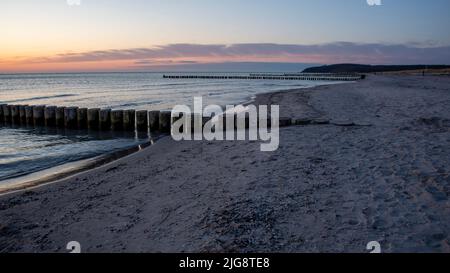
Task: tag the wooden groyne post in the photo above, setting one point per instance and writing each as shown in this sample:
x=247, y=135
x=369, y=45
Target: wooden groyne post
x=142, y=121
x=82, y=118
x=71, y=117
x=15, y=114
x=165, y=121
x=59, y=117
x=105, y=119
x=153, y=120
x=50, y=116
x=5, y=113
x=29, y=118
x=117, y=120
x=93, y=117
x=2, y=118
x=129, y=120
x=38, y=115
x=22, y=114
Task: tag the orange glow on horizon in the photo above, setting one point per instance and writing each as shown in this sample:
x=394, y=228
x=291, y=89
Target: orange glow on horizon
x=36, y=63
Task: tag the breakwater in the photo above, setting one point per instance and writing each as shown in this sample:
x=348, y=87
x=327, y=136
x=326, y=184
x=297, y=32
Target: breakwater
x=291, y=77
x=84, y=118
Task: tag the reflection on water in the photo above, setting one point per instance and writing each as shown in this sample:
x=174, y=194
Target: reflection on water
x=27, y=150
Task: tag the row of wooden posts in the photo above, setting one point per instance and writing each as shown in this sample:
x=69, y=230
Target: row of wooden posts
x=84, y=118
x=107, y=119
x=329, y=77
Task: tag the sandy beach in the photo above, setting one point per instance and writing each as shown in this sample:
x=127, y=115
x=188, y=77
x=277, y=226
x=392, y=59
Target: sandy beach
x=378, y=171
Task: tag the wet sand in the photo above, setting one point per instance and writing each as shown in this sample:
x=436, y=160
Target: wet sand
x=379, y=171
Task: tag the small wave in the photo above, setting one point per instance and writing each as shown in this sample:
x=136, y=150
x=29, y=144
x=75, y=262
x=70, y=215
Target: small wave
x=174, y=84
x=42, y=98
x=215, y=94
x=132, y=104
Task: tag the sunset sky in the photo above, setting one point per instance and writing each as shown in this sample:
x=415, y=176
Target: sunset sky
x=117, y=35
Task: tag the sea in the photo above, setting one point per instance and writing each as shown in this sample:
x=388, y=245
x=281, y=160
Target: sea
x=25, y=150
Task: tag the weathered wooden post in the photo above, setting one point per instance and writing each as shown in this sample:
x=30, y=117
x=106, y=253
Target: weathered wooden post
x=93, y=117
x=142, y=121
x=7, y=113
x=129, y=120
x=59, y=116
x=15, y=114
x=50, y=116
x=29, y=115
x=165, y=121
x=153, y=119
x=82, y=118
x=71, y=117
x=22, y=114
x=105, y=119
x=117, y=120
x=2, y=116
x=38, y=115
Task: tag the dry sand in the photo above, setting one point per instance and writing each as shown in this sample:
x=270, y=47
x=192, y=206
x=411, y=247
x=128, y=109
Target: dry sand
x=329, y=188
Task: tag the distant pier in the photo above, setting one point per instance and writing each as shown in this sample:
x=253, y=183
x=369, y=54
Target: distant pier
x=290, y=77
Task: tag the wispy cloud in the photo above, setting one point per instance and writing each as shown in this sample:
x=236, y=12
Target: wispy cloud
x=162, y=62
x=321, y=53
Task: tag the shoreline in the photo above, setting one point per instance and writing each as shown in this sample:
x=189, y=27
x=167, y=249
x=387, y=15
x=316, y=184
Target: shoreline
x=70, y=169
x=64, y=171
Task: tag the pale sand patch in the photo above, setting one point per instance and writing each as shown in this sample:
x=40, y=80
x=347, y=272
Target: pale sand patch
x=328, y=188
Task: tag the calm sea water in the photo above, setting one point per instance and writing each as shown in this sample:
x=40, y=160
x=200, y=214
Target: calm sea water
x=27, y=150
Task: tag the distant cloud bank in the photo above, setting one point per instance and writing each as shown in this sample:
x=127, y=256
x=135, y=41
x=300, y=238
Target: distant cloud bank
x=324, y=53
x=233, y=57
